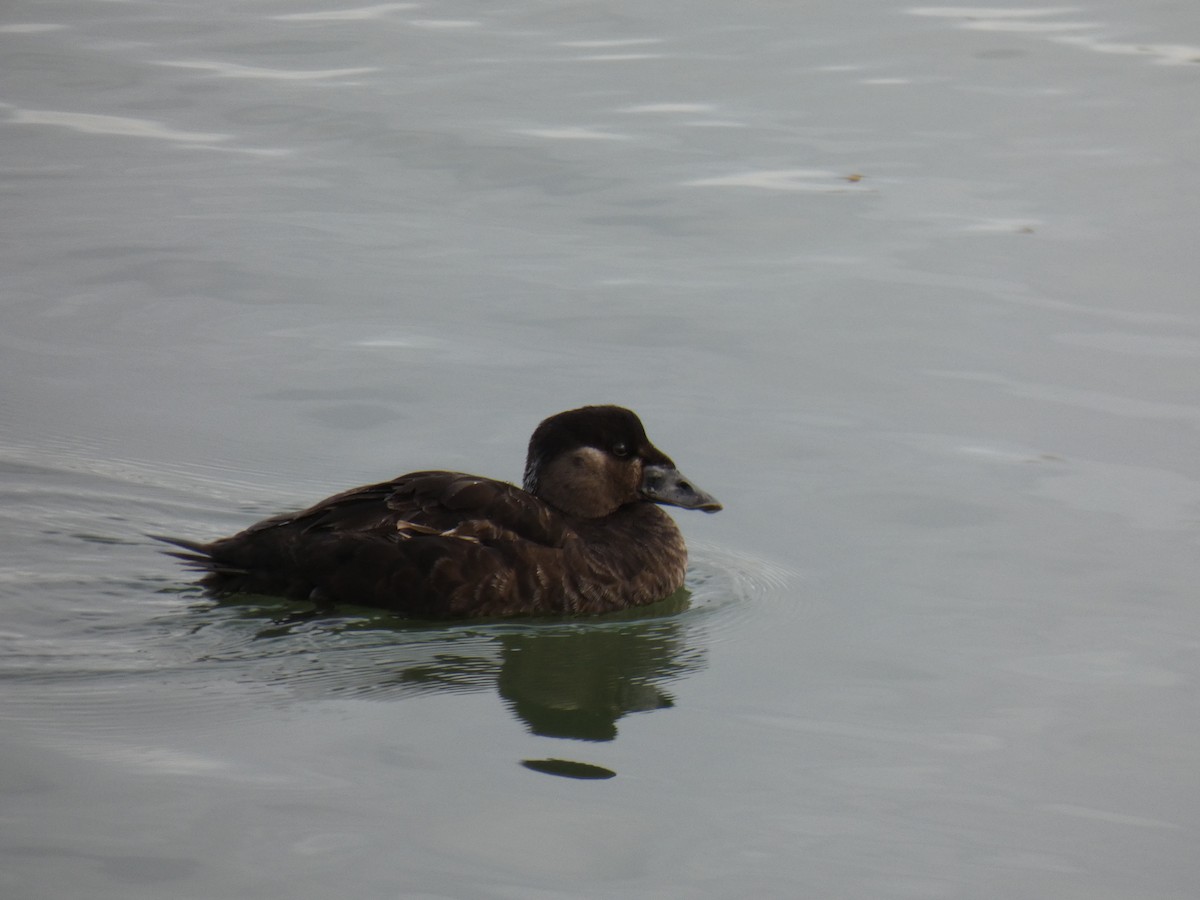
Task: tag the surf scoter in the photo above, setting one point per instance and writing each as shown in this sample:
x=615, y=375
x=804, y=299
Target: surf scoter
x=584, y=536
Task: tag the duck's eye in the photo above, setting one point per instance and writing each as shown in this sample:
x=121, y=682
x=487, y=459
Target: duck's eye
x=620, y=450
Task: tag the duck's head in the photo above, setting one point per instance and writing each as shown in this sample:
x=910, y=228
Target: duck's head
x=590, y=462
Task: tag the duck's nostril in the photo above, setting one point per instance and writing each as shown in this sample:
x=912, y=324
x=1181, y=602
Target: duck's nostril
x=684, y=486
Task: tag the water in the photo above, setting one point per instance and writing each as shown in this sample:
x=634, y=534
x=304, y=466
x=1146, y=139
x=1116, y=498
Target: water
x=910, y=289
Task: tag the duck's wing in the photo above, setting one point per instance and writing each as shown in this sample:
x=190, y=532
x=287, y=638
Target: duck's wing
x=430, y=503
x=428, y=544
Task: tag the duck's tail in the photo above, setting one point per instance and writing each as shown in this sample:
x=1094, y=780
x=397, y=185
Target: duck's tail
x=196, y=554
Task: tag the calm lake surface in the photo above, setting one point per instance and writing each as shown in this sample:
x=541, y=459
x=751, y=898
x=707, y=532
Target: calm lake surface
x=911, y=289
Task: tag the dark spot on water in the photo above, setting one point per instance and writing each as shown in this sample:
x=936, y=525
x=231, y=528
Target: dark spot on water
x=566, y=768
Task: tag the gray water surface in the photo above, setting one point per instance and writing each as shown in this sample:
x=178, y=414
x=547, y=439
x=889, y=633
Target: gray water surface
x=911, y=289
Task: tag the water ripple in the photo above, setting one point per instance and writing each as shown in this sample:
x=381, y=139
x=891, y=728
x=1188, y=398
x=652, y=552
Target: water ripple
x=1017, y=21
x=358, y=13
x=93, y=123
x=816, y=181
x=235, y=70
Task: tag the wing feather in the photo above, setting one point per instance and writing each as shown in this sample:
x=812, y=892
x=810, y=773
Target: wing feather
x=428, y=543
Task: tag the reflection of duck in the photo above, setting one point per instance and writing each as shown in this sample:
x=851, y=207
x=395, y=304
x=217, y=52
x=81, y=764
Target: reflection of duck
x=560, y=679
x=584, y=536
x=577, y=685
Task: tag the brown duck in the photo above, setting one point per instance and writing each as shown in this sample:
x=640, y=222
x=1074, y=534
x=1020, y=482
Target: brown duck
x=584, y=536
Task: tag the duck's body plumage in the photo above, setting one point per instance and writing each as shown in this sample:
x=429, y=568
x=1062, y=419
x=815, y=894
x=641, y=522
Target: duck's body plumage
x=585, y=536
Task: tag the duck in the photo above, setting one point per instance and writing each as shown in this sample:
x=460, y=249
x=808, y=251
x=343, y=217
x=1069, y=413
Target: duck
x=584, y=535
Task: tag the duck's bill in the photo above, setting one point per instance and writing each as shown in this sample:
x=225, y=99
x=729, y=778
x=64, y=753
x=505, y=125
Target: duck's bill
x=666, y=484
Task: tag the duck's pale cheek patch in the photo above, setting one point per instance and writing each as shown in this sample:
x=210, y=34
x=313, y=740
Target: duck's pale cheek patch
x=582, y=483
x=589, y=458
x=605, y=472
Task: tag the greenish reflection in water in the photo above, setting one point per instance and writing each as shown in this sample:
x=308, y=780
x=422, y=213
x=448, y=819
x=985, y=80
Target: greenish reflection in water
x=561, y=678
